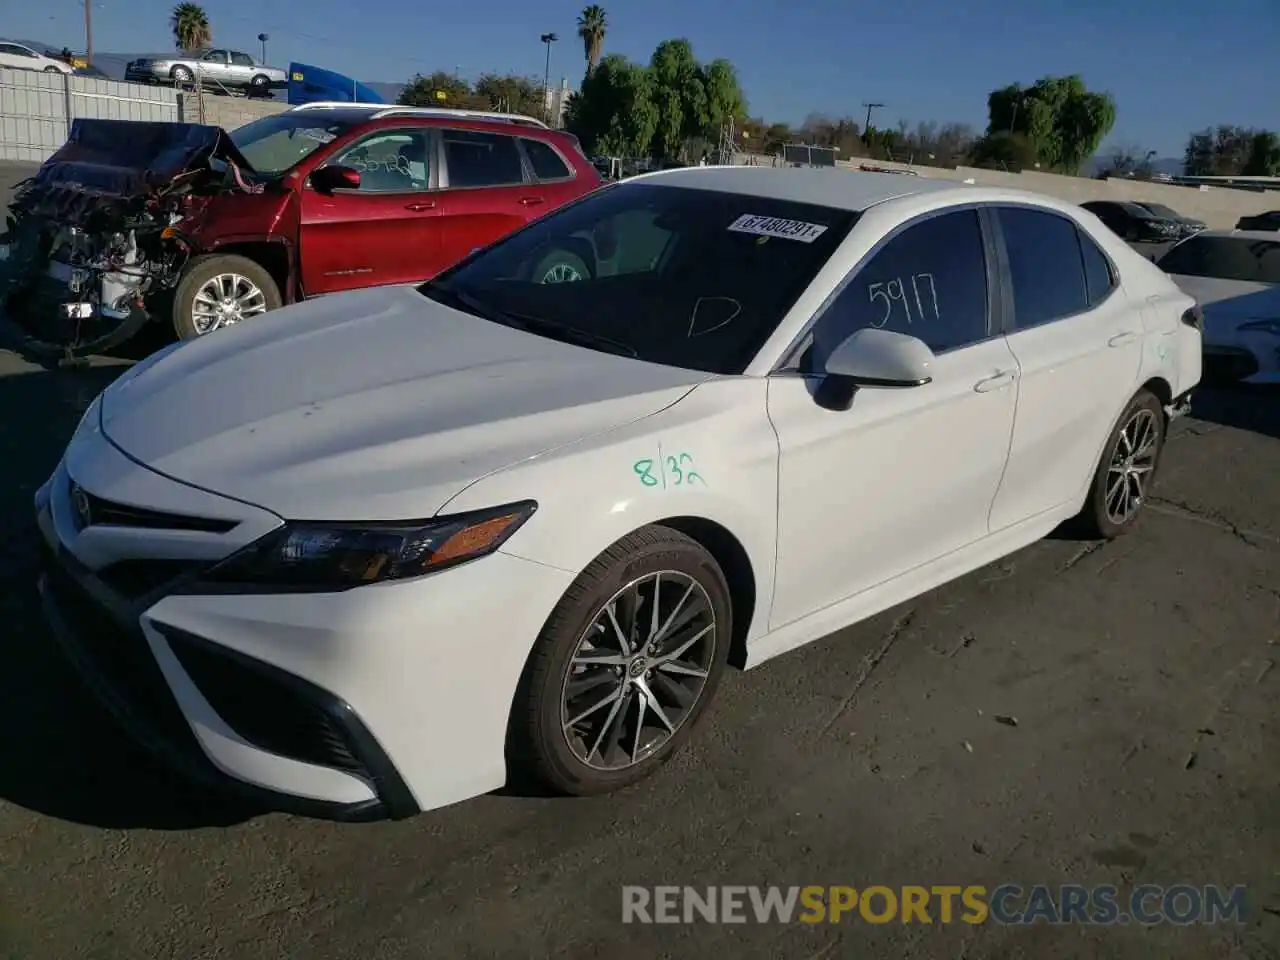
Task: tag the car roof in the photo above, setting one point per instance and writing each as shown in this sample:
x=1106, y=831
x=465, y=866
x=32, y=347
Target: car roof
x=367, y=112
x=853, y=190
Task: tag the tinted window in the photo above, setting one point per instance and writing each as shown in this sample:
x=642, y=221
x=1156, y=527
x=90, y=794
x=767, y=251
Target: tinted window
x=688, y=278
x=482, y=159
x=1097, y=271
x=242, y=60
x=546, y=163
x=1225, y=258
x=1045, y=267
x=218, y=56
x=930, y=281
x=394, y=161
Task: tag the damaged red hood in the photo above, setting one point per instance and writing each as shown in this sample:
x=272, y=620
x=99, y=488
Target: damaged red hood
x=130, y=159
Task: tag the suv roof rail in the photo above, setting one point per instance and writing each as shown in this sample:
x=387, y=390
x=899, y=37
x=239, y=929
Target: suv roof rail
x=379, y=110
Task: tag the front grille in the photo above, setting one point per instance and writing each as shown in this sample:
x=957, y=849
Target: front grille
x=137, y=578
x=120, y=656
x=106, y=513
x=268, y=712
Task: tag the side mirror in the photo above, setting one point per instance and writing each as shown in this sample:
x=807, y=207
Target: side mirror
x=873, y=358
x=329, y=179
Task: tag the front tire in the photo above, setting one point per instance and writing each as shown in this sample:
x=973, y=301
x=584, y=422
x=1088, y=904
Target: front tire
x=625, y=666
x=1122, y=481
x=219, y=290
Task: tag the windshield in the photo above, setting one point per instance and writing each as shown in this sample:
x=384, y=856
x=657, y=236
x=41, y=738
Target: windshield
x=1225, y=258
x=688, y=278
x=1137, y=212
x=274, y=144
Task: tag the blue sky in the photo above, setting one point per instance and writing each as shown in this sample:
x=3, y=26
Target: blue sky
x=1173, y=65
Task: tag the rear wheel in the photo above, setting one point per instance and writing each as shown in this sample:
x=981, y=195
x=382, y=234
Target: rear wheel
x=181, y=75
x=625, y=666
x=219, y=290
x=1122, y=482
x=561, y=266
x=259, y=86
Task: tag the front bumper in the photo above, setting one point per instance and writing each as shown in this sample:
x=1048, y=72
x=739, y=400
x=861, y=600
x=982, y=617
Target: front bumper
x=370, y=703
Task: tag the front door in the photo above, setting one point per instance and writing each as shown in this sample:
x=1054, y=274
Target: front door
x=485, y=191
x=904, y=476
x=1078, y=340
x=385, y=231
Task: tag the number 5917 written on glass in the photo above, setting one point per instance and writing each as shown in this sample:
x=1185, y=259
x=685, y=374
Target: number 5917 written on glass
x=918, y=289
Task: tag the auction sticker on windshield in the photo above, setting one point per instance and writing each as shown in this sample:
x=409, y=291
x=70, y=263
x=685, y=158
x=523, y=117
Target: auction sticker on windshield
x=760, y=226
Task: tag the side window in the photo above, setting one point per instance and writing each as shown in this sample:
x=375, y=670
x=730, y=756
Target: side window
x=482, y=159
x=546, y=163
x=930, y=281
x=1045, y=266
x=1097, y=270
x=242, y=60
x=392, y=161
x=215, y=56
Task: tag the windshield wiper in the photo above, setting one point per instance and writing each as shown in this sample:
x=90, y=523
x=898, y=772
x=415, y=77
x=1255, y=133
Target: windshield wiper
x=546, y=328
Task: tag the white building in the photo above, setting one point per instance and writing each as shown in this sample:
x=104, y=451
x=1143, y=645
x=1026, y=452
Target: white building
x=557, y=101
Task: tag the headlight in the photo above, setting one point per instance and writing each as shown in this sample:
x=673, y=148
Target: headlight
x=333, y=556
x=1261, y=326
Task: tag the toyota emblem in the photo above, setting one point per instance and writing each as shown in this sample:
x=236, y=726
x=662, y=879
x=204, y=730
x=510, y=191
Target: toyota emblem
x=80, y=502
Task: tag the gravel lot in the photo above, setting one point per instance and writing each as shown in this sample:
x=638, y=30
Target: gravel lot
x=1146, y=751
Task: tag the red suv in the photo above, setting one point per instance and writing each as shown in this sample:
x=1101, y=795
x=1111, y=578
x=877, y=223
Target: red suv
x=357, y=195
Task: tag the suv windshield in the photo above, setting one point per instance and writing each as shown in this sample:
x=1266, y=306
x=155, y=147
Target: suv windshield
x=274, y=144
x=684, y=277
x=1225, y=258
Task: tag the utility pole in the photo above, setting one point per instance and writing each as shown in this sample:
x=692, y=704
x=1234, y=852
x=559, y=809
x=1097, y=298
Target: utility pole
x=88, y=32
x=548, y=39
x=870, y=106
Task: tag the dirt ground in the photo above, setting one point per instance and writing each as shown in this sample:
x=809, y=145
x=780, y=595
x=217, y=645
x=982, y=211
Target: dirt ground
x=1146, y=750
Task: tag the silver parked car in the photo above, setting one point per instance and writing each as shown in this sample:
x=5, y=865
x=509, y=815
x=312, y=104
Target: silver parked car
x=227, y=68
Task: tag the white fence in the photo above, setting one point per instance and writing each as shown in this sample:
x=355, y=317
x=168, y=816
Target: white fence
x=36, y=109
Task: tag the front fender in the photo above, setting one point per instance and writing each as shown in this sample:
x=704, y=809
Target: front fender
x=712, y=456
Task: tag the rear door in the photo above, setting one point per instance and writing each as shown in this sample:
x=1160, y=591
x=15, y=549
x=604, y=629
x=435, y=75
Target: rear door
x=384, y=232
x=1078, y=340
x=241, y=69
x=486, y=191
x=553, y=173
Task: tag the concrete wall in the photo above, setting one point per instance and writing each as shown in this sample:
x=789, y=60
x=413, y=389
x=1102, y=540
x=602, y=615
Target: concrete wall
x=35, y=109
x=227, y=112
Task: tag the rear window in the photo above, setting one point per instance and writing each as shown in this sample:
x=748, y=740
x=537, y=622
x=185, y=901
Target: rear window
x=1225, y=258
x=546, y=163
x=482, y=159
x=689, y=278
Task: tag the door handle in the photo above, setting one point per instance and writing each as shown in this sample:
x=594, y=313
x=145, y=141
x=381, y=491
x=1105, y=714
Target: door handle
x=1120, y=339
x=420, y=205
x=531, y=201
x=996, y=381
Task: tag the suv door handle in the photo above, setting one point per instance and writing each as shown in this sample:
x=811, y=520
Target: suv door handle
x=1120, y=339
x=419, y=205
x=531, y=201
x=997, y=381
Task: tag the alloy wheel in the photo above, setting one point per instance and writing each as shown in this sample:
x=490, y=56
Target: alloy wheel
x=561, y=273
x=638, y=670
x=226, y=299
x=1131, y=467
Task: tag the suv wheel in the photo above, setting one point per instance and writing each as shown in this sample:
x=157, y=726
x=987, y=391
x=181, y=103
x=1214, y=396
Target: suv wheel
x=219, y=290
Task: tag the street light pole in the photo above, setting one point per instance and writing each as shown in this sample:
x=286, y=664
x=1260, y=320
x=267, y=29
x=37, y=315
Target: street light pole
x=88, y=32
x=548, y=39
x=870, y=107
x=262, y=39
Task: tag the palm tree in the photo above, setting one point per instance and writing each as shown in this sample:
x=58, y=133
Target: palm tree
x=592, y=26
x=191, y=29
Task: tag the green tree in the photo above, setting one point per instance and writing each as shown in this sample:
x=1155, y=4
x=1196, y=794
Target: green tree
x=614, y=113
x=1003, y=151
x=1061, y=120
x=190, y=25
x=438, y=89
x=592, y=27
x=724, y=99
x=1226, y=151
x=1264, y=155
x=680, y=96
x=510, y=93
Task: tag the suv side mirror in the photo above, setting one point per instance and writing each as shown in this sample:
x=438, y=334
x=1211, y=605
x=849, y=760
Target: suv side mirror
x=874, y=358
x=329, y=179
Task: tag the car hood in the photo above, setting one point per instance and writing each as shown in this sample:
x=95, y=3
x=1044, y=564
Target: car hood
x=374, y=405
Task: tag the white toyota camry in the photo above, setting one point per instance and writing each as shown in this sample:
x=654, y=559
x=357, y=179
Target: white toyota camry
x=368, y=558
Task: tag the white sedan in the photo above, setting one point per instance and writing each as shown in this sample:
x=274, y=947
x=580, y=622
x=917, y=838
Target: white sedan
x=18, y=57
x=1235, y=277
x=369, y=557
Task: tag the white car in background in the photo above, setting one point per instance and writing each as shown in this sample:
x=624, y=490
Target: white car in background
x=1235, y=277
x=19, y=57
x=369, y=555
